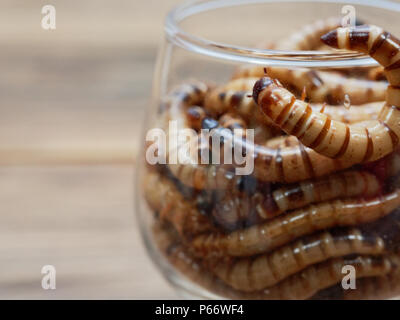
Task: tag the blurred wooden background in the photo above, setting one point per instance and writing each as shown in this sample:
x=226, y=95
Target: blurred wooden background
x=72, y=102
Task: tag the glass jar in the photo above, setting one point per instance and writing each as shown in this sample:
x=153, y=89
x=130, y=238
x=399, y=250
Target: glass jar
x=268, y=170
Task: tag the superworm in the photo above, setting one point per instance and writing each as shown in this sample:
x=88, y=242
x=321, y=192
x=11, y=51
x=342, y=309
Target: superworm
x=359, y=142
x=195, y=116
x=301, y=285
x=238, y=210
x=220, y=101
x=179, y=257
x=265, y=237
x=256, y=273
x=193, y=173
x=322, y=86
x=163, y=197
x=344, y=184
x=305, y=284
x=368, y=111
x=308, y=37
x=380, y=287
x=232, y=121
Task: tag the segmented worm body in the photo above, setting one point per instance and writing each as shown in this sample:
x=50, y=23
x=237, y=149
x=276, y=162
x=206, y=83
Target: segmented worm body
x=376, y=74
x=232, y=121
x=308, y=37
x=380, y=287
x=221, y=101
x=341, y=185
x=359, y=142
x=322, y=86
x=317, y=277
x=164, y=197
x=195, y=116
x=192, y=172
x=238, y=210
x=252, y=274
x=281, y=230
x=364, y=112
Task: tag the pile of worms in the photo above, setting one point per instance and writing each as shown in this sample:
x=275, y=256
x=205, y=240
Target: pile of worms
x=324, y=192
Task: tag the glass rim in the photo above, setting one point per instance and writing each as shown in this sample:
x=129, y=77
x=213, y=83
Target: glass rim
x=219, y=50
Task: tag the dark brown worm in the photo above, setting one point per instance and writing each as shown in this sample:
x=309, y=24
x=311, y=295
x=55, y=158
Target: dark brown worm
x=341, y=185
x=221, y=101
x=179, y=258
x=235, y=210
x=195, y=116
x=321, y=86
x=256, y=273
x=381, y=287
x=301, y=286
x=265, y=237
x=192, y=173
x=318, y=277
x=376, y=74
x=359, y=142
x=289, y=164
x=308, y=37
x=368, y=111
x=164, y=198
x=232, y=121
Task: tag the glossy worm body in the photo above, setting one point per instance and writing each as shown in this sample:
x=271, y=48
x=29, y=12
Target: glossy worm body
x=281, y=230
x=360, y=142
x=252, y=274
x=193, y=173
x=195, y=116
x=380, y=287
x=220, y=101
x=322, y=86
x=237, y=210
x=308, y=37
x=317, y=277
x=368, y=111
x=163, y=197
x=341, y=185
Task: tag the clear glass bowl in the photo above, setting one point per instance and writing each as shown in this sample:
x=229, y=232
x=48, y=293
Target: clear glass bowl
x=260, y=206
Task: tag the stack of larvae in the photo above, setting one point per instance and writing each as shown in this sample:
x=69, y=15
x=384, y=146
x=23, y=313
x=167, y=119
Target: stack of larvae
x=324, y=192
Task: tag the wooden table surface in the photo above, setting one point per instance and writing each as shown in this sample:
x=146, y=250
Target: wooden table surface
x=72, y=102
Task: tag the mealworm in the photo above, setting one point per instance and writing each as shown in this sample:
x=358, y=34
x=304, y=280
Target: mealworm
x=244, y=84
x=293, y=163
x=322, y=86
x=232, y=121
x=163, y=197
x=359, y=142
x=193, y=173
x=239, y=210
x=264, y=237
x=308, y=37
x=368, y=111
x=256, y=273
x=301, y=285
x=318, y=277
x=381, y=287
x=192, y=268
x=195, y=116
x=345, y=184
x=376, y=74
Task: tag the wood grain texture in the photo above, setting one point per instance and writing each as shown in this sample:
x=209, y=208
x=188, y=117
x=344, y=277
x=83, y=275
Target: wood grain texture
x=72, y=101
x=71, y=104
